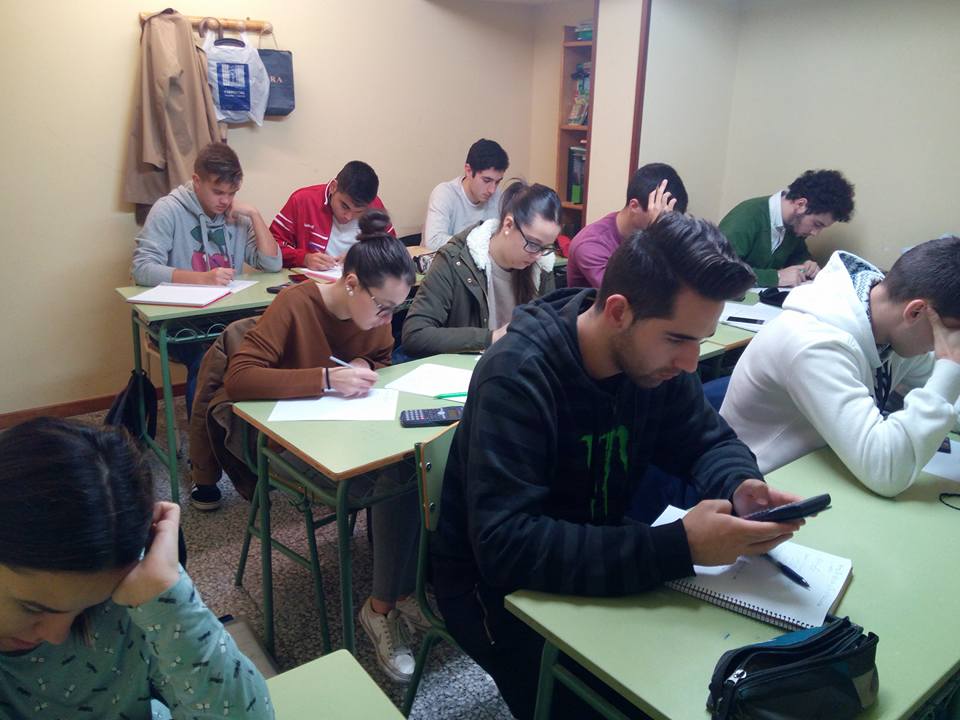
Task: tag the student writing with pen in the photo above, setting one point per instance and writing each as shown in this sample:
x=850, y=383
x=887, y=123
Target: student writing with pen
x=483, y=273
x=318, y=223
x=289, y=354
x=201, y=234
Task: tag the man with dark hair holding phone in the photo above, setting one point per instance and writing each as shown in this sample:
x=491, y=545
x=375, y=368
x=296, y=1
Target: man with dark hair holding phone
x=653, y=189
x=564, y=414
x=318, y=223
x=822, y=372
x=468, y=199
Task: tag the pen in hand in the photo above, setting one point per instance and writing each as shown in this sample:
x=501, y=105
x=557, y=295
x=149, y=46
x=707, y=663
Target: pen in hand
x=791, y=574
x=340, y=362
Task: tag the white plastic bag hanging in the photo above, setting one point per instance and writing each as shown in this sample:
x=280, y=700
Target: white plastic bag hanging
x=238, y=79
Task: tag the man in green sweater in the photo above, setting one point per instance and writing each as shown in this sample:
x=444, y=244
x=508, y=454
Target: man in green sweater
x=769, y=233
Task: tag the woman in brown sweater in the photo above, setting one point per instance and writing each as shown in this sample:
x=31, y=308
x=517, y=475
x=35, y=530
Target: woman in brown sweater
x=288, y=355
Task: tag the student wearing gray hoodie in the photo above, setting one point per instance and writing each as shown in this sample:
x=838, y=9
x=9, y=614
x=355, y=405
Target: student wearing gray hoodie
x=199, y=233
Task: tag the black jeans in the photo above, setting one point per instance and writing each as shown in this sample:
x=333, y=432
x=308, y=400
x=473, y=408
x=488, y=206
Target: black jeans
x=510, y=652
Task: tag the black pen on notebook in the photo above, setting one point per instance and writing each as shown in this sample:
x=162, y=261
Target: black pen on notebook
x=751, y=321
x=791, y=574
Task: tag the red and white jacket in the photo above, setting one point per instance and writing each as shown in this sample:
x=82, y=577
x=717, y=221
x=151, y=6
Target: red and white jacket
x=303, y=225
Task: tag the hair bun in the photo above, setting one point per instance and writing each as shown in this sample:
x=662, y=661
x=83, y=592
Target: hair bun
x=373, y=223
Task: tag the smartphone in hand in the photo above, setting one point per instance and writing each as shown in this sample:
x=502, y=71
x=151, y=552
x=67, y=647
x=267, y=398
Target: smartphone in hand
x=792, y=511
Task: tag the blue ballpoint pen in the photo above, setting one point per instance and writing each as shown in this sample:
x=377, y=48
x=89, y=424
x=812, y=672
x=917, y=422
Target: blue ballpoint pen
x=788, y=571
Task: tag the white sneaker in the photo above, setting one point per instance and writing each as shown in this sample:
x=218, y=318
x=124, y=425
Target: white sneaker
x=387, y=633
x=412, y=615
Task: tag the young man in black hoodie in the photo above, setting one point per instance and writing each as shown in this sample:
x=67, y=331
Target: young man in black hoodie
x=564, y=414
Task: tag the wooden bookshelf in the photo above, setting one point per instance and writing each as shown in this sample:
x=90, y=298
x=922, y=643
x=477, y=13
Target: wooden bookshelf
x=570, y=135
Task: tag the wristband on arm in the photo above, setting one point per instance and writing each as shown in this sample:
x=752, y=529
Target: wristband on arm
x=326, y=375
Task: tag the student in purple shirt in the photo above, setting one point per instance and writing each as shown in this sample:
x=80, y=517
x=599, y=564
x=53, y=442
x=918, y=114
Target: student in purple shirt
x=654, y=188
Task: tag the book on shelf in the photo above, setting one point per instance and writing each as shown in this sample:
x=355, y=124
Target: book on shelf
x=756, y=587
x=576, y=169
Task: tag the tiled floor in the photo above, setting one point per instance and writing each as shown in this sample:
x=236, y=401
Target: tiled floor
x=452, y=687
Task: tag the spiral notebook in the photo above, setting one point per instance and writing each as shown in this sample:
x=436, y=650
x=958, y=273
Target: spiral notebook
x=757, y=588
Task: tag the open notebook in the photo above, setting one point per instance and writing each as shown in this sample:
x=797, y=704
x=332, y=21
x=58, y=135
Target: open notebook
x=755, y=587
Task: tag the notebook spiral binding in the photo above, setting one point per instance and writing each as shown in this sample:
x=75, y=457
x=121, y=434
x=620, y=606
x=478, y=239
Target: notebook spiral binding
x=730, y=603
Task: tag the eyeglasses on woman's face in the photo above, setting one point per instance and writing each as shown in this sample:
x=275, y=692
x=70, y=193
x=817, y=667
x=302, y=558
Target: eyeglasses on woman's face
x=532, y=247
x=383, y=309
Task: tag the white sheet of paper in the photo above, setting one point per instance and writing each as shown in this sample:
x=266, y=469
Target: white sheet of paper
x=236, y=286
x=180, y=294
x=432, y=380
x=759, y=311
x=945, y=465
x=378, y=404
x=331, y=275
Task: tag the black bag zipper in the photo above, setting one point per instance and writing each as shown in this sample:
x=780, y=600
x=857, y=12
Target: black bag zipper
x=733, y=659
x=740, y=679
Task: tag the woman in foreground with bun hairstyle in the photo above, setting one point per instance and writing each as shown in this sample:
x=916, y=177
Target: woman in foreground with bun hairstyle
x=288, y=354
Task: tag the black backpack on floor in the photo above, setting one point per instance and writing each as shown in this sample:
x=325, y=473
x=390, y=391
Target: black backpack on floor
x=124, y=410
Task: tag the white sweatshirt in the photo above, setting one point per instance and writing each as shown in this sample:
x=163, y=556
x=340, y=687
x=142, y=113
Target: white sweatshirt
x=807, y=380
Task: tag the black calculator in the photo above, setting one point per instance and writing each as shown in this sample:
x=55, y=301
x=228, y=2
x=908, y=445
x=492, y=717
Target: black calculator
x=431, y=416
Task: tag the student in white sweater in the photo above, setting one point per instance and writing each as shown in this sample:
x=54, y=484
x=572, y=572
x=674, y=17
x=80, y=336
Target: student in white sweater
x=821, y=372
x=469, y=199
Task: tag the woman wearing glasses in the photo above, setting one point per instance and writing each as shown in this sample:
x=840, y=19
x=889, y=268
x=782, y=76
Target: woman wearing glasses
x=484, y=272
x=289, y=354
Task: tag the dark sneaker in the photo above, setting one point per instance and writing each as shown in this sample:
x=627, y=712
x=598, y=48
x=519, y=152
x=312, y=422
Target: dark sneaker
x=205, y=497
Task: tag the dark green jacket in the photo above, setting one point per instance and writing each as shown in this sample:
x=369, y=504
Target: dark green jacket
x=450, y=312
x=747, y=227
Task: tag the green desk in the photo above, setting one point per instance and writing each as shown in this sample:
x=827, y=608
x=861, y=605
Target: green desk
x=341, y=451
x=174, y=325
x=730, y=338
x=332, y=687
x=658, y=650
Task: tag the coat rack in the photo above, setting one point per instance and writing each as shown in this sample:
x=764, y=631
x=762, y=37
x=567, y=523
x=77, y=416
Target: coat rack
x=259, y=27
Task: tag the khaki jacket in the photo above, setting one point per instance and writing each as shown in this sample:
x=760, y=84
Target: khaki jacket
x=173, y=116
x=450, y=313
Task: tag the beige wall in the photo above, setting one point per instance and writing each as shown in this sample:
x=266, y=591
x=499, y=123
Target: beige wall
x=871, y=87
x=770, y=88
x=618, y=46
x=691, y=64
x=406, y=85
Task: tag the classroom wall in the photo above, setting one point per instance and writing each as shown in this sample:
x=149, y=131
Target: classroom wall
x=406, y=85
x=614, y=85
x=871, y=87
x=691, y=65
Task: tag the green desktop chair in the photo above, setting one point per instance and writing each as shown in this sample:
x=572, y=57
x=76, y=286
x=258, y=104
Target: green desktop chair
x=431, y=462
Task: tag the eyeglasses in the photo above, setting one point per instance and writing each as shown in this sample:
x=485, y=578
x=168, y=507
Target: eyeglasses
x=534, y=248
x=383, y=310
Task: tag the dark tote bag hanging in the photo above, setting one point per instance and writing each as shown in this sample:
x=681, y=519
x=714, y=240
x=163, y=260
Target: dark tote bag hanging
x=279, y=65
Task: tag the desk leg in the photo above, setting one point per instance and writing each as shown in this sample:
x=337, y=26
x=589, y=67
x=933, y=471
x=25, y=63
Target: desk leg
x=266, y=542
x=346, y=574
x=137, y=368
x=169, y=415
x=545, y=684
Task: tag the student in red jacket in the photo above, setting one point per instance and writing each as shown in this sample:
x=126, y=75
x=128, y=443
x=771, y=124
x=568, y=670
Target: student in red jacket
x=318, y=224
